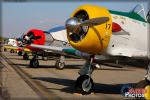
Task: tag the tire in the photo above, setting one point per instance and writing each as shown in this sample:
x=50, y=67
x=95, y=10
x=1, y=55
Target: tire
x=34, y=63
x=44, y=58
x=81, y=85
x=20, y=53
x=5, y=50
x=60, y=65
x=11, y=51
x=25, y=56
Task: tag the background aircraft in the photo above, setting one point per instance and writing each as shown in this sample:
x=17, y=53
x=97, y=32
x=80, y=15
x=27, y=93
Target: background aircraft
x=54, y=37
x=10, y=42
x=57, y=38
x=15, y=45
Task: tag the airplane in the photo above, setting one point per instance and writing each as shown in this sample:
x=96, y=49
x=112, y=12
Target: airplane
x=112, y=34
x=16, y=45
x=55, y=37
x=11, y=44
x=38, y=37
x=96, y=31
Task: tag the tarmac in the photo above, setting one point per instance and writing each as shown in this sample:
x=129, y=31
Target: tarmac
x=19, y=81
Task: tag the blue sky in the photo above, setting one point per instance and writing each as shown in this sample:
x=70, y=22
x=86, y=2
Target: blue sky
x=18, y=18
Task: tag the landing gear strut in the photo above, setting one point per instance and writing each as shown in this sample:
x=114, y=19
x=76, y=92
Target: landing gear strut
x=60, y=63
x=25, y=56
x=34, y=63
x=84, y=83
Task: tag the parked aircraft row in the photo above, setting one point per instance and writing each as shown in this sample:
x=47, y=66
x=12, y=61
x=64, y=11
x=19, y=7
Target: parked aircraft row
x=95, y=34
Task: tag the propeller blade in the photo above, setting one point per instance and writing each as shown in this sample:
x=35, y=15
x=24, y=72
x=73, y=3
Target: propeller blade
x=37, y=37
x=94, y=21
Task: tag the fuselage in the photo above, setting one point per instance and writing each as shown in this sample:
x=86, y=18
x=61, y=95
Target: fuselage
x=12, y=42
x=134, y=44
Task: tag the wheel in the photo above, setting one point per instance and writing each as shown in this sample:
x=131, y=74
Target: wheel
x=44, y=58
x=5, y=49
x=11, y=51
x=25, y=56
x=19, y=53
x=84, y=84
x=15, y=51
x=34, y=63
x=60, y=65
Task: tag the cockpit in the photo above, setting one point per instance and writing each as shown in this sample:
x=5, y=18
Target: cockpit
x=57, y=36
x=139, y=12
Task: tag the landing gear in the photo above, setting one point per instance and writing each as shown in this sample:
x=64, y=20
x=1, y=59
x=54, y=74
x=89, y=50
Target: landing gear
x=84, y=83
x=44, y=58
x=34, y=63
x=20, y=53
x=5, y=50
x=25, y=56
x=60, y=64
x=12, y=51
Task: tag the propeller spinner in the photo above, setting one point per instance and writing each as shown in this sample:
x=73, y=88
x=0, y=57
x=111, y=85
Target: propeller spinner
x=74, y=26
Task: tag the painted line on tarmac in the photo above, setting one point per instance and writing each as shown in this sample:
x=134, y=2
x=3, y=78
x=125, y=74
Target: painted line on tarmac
x=37, y=87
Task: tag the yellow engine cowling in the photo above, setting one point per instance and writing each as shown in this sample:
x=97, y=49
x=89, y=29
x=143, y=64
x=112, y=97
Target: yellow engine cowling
x=97, y=37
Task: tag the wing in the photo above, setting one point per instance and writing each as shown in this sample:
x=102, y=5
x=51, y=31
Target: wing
x=57, y=50
x=17, y=48
x=45, y=48
x=11, y=47
x=129, y=52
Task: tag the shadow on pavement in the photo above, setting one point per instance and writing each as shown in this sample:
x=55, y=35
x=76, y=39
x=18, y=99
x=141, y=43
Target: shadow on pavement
x=98, y=87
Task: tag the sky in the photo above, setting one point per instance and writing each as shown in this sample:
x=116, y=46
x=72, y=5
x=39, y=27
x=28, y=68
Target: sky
x=20, y=17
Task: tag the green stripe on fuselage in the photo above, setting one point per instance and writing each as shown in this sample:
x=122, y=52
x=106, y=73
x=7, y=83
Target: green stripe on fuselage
x=132, y=15
x=69, y=51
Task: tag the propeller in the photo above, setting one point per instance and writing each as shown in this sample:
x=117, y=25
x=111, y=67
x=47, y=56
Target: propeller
x=74, y=26
x=95, y=21
x=28, y=39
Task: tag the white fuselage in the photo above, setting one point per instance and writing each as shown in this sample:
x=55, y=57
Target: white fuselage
x=136, y=44
x=12, y=42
